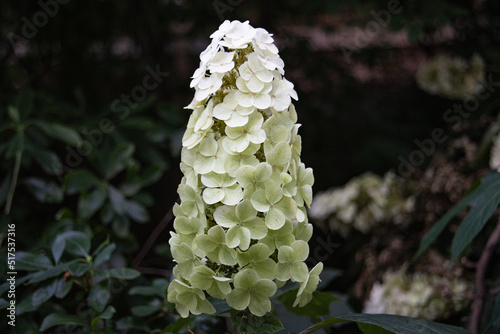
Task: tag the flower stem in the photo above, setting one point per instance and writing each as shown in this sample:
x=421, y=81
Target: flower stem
x=13, y=183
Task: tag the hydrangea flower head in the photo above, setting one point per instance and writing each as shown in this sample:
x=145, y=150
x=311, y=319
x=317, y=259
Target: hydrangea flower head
x=241, y=228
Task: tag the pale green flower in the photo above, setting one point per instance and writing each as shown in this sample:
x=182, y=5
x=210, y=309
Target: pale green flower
x=236, y=160
x=186, y=259
x=291, y=261
x=276, y=206
x=277, y=238
x=214, y=244
x=252, y=178
x=221, y=188
x=257, y=258
x=242, y=223
x=238, y=138
x=211, y=157
x=308, y=286
x=244, y=189
x=188, y=299
x=251, y=291
x=206, y=279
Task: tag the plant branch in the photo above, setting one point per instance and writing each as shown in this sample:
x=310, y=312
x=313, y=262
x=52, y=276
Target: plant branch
x=482, y=266
x=152, y=238
x=13, y=182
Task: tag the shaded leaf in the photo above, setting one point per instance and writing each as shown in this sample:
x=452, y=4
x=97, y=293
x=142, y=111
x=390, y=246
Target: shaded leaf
x=371, y=323
x=43, y=190
x=106, y=314
x=89, y=203
x=104, y=255
x=117, y=200
x=30, y=261
x=49, y=273
x=249, y=323
x=121, y=273
x=79, y=181
x=48, y=160
x=137, y=212
x=41, y=295
x=99, y=296
x=63, y=287
x=318, y=306
x=14, y=114
x=77, y=243
x=55, y=319
x=58, y=247
x=79, y=268
x=483, y=206
x=146, y=310
x=15, y=145
x=60, y=132
x=439, y=226
x=178, y=326
x=118, y=160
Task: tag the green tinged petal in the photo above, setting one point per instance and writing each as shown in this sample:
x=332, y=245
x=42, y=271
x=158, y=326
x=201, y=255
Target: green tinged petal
x=238, y=299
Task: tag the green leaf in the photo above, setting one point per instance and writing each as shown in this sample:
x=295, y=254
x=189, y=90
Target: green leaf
x=99, y=296
x=60, y=132
x=178, y=326
x=48, y=160
x=439, y=226
x=30, y=261
x=117, y=200
x=43, y=190
x=144, y=291
x=49, y=273
x=16, y=144
x=77, y=243
x=58, y=247
x=146, y=310
x=3, y=303
x=89, y=203
x=55, y=319
x=121, y=273
x=318, y=306
x=24, y=103
x=14, y=114
x=63, y=287
x=79, y=268
x=118, y=160
x=79, y=181
x=137, y=212
x=372, y=324
x=106, y=314
x=483, y=206
x=43, y=294
x=249, y=323
x=104, y=255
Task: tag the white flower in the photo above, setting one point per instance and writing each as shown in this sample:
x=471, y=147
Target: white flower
x=495, y=153
x=238, y=35
x=282, y=93
x=248, y=98
x=241, y=228
x=231, y=112
x=255, y=74
x=208, y=85
x=222, y=62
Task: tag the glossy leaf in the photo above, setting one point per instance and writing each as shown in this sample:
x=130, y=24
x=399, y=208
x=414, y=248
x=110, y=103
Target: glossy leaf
x=30, y=261
x=99, y=296
x=118, y=160
x=318, y=306
x=249, y=323
x=77, y=243
x=89, y=203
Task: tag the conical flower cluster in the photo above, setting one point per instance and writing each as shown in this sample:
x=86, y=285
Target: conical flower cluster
x=241, y=228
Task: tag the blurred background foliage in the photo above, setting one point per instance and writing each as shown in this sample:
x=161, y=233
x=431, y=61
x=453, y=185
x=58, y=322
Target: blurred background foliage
x=84, y=161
